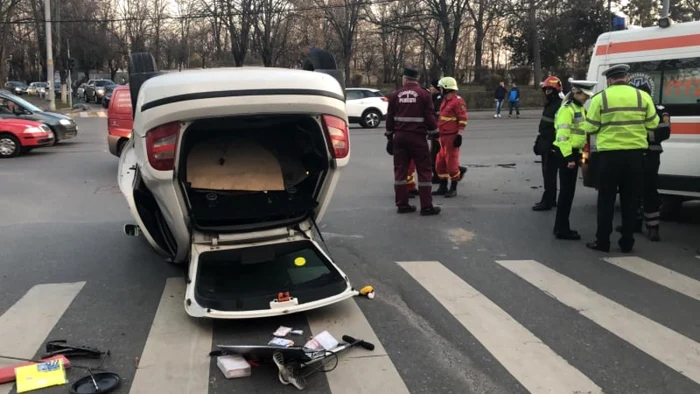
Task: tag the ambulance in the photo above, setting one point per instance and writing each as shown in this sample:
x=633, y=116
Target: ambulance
x=667, y=57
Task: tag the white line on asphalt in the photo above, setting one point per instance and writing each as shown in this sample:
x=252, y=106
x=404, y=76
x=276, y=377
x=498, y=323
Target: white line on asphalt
x=531, y=362
x=83, y=114
x=25, y=326
x=174, y=359
x=669, y=347
x=359, y=370
x=661, y=275
x=102, y=114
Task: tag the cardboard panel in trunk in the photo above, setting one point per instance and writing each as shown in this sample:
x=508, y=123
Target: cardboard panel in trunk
x=233, y=163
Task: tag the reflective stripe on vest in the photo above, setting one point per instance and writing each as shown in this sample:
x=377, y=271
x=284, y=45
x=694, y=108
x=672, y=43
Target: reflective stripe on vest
x=447, y=118
x=607, y=110
x=409, y=119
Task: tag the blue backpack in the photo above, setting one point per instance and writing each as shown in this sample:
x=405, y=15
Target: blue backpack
x=513, y=95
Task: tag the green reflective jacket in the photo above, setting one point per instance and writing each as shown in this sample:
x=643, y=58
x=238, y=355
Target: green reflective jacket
x=568, y=122
x=620, y=117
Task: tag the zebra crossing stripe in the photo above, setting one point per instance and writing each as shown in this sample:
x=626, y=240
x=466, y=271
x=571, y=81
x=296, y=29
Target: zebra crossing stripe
x=175, y=359
x=27, y=324
x=669, y=347
x=525, y=356
x=658, y=274
x=84, y=115
x=358, y=370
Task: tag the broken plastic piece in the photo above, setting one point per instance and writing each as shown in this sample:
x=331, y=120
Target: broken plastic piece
x=367, y=291
x=297, y=332
x=98, y=383
x=281, y=342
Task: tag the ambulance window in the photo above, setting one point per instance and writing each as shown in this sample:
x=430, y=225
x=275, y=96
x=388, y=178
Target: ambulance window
x=649, y=73
x=681, y=82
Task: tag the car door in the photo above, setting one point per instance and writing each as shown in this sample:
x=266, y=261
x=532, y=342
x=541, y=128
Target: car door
x=353, y=103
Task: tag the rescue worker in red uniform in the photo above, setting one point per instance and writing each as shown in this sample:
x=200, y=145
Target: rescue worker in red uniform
x=410, y=118
x=411, y=180
x=452, y=122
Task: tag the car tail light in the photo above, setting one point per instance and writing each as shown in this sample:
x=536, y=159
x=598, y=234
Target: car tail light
x=337, y=131
x=161, y=144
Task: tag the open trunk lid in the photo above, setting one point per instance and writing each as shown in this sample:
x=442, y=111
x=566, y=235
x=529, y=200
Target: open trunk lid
x=268, y=273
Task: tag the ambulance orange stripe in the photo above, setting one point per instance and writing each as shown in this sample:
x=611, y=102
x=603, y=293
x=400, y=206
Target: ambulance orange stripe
x=685, y=128
x=649, y=45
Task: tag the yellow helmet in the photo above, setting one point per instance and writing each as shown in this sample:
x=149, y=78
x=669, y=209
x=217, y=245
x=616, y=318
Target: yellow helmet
x=448, y=83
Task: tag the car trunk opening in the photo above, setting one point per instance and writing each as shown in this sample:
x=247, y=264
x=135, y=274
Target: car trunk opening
x=245, y=173
x=250, y=279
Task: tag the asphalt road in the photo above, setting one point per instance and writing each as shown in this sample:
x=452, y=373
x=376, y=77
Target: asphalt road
x=481, y=299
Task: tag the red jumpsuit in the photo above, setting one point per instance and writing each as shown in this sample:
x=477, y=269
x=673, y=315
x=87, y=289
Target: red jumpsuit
x=411, y=179
x=410, y=117
x=453, y=121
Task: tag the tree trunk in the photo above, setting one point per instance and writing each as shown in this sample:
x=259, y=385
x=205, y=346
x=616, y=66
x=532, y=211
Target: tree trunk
x=478, y=52
x=535, y=39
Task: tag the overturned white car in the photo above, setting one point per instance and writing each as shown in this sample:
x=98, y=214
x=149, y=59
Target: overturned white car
x=228, y=170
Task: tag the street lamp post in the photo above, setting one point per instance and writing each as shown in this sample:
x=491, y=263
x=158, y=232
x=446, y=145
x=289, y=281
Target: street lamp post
x=49, y=56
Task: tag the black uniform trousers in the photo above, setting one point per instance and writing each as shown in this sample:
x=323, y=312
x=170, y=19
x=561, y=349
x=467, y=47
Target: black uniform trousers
x=550, y=165
x=567, y=188
x=621, y=170
x=434, y=150
x=650, y=202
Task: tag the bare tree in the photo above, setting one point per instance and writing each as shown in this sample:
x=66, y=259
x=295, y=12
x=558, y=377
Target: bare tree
x=343, y=16
x=271, y=29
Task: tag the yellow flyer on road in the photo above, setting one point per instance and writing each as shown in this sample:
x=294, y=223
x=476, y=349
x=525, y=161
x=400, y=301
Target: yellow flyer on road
x=38, y=376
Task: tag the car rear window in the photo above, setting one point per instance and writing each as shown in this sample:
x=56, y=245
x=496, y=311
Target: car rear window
x=103, y=83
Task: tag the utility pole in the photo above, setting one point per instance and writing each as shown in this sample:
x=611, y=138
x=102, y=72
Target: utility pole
x=70, y=81
x=49, y=56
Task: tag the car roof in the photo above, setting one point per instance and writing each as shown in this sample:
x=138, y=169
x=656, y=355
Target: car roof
x=190, y=82
x=370, y=89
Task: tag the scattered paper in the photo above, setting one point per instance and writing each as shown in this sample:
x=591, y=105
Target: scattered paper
x=323, y=340
x=233, y=366
x=297, y=332
x=39, y=376
x=281, y=342
x=282, y=331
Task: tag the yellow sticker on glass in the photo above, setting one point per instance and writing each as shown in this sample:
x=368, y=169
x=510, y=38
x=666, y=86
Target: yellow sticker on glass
x=299, y=261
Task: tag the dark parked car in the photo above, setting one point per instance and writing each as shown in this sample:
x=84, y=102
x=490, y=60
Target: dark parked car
x=108, y=94
x=16, y=87
x=12, y=106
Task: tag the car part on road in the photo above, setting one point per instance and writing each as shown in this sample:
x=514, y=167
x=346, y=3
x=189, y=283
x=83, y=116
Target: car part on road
x=60, y=346
x=98, y=383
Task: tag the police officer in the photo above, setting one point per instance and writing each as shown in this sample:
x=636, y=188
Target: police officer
x=552, y=88
x=569, y=141
x=410, y=118
x=619, y=118
x=648, y=210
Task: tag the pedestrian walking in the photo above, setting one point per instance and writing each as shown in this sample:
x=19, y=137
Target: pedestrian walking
x=410, y=118
x=500, y=95
x=619, y=118
x=650, y=203
x=544, y=143
x=514, y=101
x=570, y=139
x=452, y=122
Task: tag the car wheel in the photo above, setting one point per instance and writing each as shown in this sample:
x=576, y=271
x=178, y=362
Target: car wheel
x=323, y=61
x=9, y=146
x=371, y=119
x=142, y=66
x=55, y=137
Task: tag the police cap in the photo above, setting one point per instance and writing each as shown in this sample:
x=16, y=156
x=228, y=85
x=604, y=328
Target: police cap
x=434, y=83
x=410, y=72
x=616, y=71
x=583, y=86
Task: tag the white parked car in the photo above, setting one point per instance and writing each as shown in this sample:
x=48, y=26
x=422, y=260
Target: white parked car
x=367, y=107
x=228, y=170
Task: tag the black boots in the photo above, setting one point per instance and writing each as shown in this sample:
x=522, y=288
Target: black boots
x=453, y=190
x=653, y=234
x=442, y=190
x=544, y=206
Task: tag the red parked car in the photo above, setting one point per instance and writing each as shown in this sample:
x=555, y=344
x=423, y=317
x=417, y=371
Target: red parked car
x=120, y=119
x=21, y=136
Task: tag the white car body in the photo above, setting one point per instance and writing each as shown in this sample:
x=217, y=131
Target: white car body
x=368, y=107
x=668, y=59
x=205, y=106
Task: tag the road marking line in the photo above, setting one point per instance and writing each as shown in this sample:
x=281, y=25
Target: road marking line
x=531, y=362
x=25, y=326
x=355, y=371
x=174, y=359
x=669, y=347
x=84, y=115
x=658, y=274
x=101, y=114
